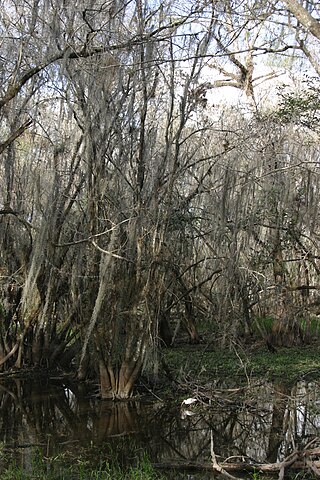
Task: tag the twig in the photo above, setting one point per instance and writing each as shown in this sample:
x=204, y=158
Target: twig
x=152, y=393
x=217, y=467
x=313, y=467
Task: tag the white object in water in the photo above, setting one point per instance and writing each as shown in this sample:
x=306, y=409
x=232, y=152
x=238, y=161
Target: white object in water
x=186, y=413
x=189, y=401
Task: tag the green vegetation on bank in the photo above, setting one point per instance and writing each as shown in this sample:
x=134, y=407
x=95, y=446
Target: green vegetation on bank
x=43, y=468
x=203, y=364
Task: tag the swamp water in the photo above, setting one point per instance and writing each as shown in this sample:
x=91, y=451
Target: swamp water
x=263, y=423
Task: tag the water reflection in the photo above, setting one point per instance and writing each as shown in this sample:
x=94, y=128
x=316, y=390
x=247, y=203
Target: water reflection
x=264, y=423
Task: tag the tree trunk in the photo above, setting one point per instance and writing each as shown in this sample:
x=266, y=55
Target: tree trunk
x=286, y=330
x=118, y=384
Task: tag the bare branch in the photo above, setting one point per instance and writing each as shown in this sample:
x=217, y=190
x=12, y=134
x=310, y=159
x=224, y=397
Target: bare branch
x=15, y=135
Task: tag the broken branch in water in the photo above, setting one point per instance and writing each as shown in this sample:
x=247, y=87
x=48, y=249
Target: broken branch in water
x=307, y=459
x=216, y=466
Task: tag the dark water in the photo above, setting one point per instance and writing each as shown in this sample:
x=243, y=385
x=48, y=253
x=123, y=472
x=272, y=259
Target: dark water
x=264, y=422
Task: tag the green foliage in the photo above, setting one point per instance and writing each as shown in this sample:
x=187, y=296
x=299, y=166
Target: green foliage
x=43, y=468
x=235, y=365
x=257, y=475
x=303, y=107
x=263, y=326
x=314, y=326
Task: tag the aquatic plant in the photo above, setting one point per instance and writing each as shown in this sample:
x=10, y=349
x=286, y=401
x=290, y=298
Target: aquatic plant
x=43, y=468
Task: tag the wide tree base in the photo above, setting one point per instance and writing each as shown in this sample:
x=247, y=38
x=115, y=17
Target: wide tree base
x=118, y=384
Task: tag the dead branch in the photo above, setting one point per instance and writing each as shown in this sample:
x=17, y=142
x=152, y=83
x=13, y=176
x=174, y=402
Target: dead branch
x=216, y=466
x=15, y=135
x=297, y=460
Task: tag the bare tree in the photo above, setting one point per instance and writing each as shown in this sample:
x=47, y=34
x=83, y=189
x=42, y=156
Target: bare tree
x=130, y=206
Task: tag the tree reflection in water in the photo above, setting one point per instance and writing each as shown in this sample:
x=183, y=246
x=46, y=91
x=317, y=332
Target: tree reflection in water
x=264, y=423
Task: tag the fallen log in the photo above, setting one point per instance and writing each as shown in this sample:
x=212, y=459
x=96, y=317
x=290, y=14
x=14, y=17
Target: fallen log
x=306, y=459
x=272, y=468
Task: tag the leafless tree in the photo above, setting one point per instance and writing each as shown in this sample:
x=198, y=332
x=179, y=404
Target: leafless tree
x=130, y=205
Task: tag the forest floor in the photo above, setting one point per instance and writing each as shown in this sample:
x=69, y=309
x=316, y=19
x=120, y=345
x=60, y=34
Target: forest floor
x=203, y=363
x=185, y=366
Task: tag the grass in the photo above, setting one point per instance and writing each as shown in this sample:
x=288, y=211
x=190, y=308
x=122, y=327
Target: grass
x=43, y=468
